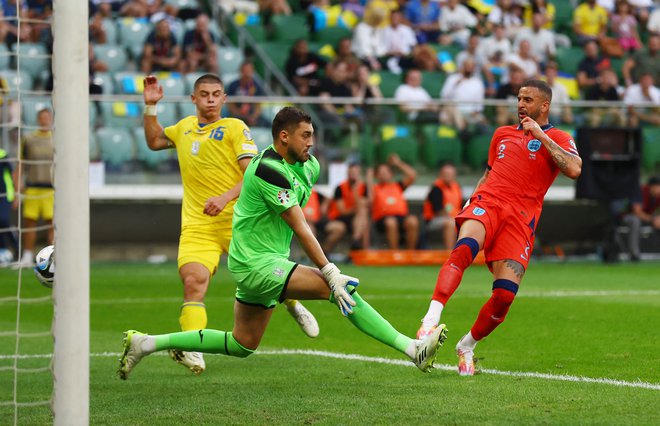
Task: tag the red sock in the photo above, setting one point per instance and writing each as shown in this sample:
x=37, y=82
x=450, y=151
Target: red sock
x=451, y=273
x=494, y=311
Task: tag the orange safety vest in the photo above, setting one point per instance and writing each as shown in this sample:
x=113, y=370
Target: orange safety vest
x=388, y=201
x=312, y=209
x=348, y=196
x=452, y=198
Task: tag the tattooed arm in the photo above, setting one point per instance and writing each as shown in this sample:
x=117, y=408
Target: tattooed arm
x=569, y=164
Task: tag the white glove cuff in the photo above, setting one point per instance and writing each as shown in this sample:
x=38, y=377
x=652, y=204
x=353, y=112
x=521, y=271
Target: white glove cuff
x=330, y=271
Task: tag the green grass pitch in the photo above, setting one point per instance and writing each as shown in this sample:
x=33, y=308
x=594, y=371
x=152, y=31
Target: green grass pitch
x=569, y=320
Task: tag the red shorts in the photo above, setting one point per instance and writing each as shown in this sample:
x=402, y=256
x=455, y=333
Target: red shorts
x=509, y=230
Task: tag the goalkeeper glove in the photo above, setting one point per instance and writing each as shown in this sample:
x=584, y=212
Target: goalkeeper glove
x=337, y=283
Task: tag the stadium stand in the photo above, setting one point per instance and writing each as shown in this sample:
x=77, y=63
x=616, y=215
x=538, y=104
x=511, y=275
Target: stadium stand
x=113, y=56
x=441, y=143
x=116, y=146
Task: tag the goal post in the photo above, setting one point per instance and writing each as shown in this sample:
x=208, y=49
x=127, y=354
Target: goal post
x=71, y=137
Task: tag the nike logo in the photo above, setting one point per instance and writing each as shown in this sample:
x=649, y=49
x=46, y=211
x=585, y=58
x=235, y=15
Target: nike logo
x=201, y=336
x=454, y=266
x=495, y=318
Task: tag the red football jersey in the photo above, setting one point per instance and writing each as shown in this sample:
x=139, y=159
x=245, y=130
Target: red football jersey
x=522, y=169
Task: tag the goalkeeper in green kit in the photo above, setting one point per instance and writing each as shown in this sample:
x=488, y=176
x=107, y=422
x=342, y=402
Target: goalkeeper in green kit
x=276, y=185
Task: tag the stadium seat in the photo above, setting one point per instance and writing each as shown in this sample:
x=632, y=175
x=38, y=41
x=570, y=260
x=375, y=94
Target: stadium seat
x=433, y=81
x=563, y=16
x=230, y=59
x=129, y=82
x=269, y=110
x=31, y=105
x=133, y=33
x=172, y=82
x=116, y=146
x=277, y=52
x=5, y=57
x=93, y=147
x=189, y=81
x=289, y=28
x=262, y=137
x=113, y=56
x=332, y=35
x=125, y=115
x=167, y=113
x=651, y=148
x=93, y=113
x=185, y=109
x=110, y=28
x=477, y=151
x=389, y=81
x=367, y=149
x=106, y=81
x=441, y=143
x=568, y=59
x=148, y=157
x=398, y=139
x=17, y=80
x=33, y=57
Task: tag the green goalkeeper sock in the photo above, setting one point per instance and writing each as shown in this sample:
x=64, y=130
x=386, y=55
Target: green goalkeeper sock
x=371, y=323
x=207, y=340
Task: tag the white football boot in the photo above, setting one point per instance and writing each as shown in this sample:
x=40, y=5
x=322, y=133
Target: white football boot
x=193, y=361
x=132, y=353
x=303, y=317
x=426, y=349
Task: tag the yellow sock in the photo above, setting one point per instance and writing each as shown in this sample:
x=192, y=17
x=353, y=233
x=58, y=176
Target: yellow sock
x=193, y=316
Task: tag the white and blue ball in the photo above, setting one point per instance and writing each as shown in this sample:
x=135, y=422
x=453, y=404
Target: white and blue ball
x=45, y=266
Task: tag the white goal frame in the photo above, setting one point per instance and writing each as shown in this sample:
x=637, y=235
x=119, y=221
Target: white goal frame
x=71, y=135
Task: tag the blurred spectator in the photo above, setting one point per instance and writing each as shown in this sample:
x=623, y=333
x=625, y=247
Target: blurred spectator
x=365, y=88
x=344, y=53
x=199, y=47
x=455, y=23
x=105, y=8
x=542, y=41
x=246, y=85
x=604, y=90
x=350, y=206
x=35, y=182
x=9, y=26
x=399, y=38
x=463, y=86
x=389, y=208
x=644, y=91
x=140, y=8
x=508, y=14
x=471, y=51
x=561, y=112
x=653, y=25
x=414, y=100
x=589, y=21
x=336, y=84
x=645, y=209
x=525, y=60
x=355, y=6
x=424, y=58
x=315, y=212
x=424, y=16
x=369, y=39
x=274, y=7
x=491, y=53
x=387, y=5
x=509, y=91
x=7, y=199
x=97, y=33
x=169, y=12
x=546, y=9
x=443, y=203
x=303, y=68
x=40, y=10
x=94, y=66
x=624, y=27
x=161, y=51
x=591, y=65
x=644, y=60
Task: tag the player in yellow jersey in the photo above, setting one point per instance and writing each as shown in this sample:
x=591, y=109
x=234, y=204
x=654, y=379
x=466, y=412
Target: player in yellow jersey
x=213, y=153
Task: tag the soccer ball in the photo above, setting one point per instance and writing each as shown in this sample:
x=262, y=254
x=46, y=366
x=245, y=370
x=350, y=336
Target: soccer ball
x=45, y=266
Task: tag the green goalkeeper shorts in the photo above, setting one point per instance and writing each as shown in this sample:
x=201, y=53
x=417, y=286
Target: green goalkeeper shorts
x=264, y=282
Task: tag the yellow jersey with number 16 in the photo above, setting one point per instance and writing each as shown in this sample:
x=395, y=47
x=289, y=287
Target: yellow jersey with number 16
x=208, y=160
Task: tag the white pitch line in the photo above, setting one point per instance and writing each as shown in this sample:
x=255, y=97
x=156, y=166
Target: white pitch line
x=403, y=363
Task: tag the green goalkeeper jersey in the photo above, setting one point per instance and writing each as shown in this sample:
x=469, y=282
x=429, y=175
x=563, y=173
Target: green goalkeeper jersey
x=270, y=186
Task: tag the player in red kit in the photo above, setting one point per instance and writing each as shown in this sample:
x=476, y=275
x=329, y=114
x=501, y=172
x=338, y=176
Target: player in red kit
x=503, y=212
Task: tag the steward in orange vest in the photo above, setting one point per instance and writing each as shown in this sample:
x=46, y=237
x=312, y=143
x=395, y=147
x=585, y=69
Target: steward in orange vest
x=443, y=197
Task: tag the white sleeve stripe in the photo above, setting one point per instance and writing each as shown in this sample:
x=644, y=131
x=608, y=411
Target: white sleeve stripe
x=246, y=155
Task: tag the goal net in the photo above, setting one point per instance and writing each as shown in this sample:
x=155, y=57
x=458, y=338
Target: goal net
x=44, y=333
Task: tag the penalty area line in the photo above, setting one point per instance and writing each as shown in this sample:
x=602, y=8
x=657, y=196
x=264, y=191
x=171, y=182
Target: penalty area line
x=402, y=363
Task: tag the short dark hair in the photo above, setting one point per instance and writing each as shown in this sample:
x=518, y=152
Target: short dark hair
x=542, y=86
x=288, y=118
x=654, y=180
x=208, y=78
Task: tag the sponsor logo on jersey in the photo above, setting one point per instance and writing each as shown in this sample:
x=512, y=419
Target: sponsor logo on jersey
x=534, y=145
x=283, y=196
x=278, y=272
x=249, y=147
x=478, y=211
x=194, y=148
x=296, y=184
x=247, y=134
